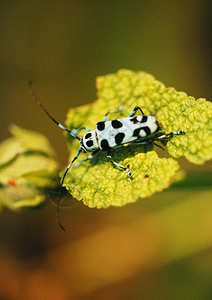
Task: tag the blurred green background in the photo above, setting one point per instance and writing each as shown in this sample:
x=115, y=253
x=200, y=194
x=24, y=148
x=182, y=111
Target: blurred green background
x=158, y=248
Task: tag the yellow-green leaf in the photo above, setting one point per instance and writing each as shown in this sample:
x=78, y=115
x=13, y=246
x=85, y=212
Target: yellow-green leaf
x=101, y=184
x=27, y=166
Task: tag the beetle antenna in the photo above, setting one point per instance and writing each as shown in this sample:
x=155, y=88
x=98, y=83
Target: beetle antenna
x=61, y=185
x=48, y=114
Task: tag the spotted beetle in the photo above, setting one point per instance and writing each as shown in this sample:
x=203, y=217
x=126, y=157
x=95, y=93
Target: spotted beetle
x=109, y=135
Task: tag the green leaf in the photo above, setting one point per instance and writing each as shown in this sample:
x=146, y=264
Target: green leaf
x=99, y=183
x=27, y=167
x=24, y=141
x=175, y=110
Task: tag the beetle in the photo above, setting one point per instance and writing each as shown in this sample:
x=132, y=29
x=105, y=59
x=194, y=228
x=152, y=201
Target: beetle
x=111, y=134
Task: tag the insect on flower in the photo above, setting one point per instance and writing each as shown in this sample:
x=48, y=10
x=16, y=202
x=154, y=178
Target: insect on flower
x=111, y=134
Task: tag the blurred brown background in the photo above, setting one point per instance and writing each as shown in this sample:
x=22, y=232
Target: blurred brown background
x=158, y=248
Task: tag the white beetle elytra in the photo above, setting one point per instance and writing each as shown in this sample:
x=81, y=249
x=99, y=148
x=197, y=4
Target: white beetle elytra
x=111, y=134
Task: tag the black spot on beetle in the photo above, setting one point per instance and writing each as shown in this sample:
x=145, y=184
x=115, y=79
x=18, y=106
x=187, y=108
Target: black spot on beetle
x=146, y=129
x=119, y=138
x=136, y=132
x=104, y=145
x=134, y=120
x=144, y=119
x=116, y=124
x=89, y=143
x=88, y=135
x=100, y=126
